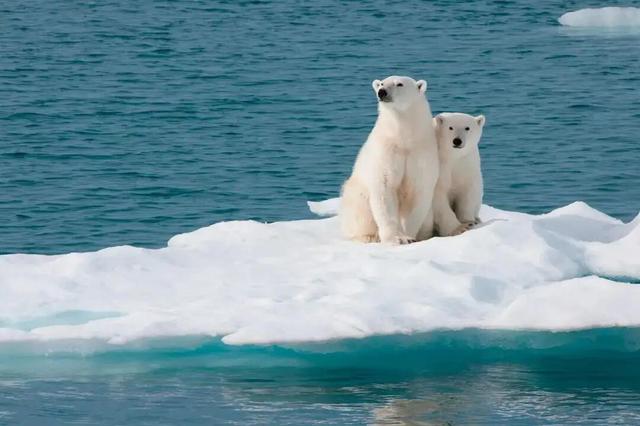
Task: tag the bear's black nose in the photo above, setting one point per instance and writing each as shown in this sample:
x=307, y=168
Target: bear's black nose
x=382, y=94
x=457, y=142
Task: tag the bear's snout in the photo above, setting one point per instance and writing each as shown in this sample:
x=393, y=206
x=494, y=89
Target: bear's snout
x=382, y=94
x=457, y=142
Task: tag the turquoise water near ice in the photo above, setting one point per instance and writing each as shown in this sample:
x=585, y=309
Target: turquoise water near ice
x=129, y=122
x=442, y=378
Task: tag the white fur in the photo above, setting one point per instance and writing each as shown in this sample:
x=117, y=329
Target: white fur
x=388, y=196
x=458, y=194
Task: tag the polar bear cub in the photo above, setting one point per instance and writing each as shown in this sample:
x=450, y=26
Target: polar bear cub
x=458, y=194
x=389, y=194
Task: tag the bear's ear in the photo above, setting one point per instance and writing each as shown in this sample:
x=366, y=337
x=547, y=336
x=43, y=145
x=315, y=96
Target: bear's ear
x=375, y=84
x=422, y=86
x=480, y=120
x=438, y=121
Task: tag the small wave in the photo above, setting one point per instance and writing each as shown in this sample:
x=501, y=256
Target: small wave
x=606, y=17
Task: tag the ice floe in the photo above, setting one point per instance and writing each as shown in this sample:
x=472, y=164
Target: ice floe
x=610, y=17
x=298, y=281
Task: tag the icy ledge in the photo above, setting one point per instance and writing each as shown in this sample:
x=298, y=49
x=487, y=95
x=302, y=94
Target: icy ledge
x=298, y=281
x=609, y=17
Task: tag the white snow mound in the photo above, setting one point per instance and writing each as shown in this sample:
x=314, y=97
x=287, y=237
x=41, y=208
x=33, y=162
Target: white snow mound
x=609, y=17
x=299, y=281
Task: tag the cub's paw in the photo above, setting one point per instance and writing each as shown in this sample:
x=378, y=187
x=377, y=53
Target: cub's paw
x=477, y=221
x=464, y=227
x=403, y=239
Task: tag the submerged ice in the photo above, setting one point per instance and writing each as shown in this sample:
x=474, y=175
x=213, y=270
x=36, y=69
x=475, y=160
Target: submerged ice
x=299, y=281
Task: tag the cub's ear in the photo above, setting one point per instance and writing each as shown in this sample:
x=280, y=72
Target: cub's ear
x=375, y=84
x=480, y=120
x=438, y=121
x=422, y=86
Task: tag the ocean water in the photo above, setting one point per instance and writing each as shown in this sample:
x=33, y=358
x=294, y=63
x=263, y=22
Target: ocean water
x=129, y=122
x=449, y=379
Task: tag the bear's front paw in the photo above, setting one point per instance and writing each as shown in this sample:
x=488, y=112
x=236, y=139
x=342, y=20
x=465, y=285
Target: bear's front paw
x=464, y=227
x=398, y=239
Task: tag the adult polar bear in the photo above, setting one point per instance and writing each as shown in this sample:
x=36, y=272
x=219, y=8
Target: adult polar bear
x=389, y=194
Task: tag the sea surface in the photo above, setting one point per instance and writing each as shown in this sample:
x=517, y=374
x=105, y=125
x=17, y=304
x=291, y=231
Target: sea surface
x=128, y=122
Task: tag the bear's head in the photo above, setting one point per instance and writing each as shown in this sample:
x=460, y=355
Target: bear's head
x=458, y=133
x=399, y=93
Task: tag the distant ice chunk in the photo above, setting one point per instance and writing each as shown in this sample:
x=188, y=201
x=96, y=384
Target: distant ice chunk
x=608, y=17
x=328, y=207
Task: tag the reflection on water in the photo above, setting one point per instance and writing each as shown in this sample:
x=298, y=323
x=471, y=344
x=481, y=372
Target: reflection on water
x=406, y=412
x=466, y=390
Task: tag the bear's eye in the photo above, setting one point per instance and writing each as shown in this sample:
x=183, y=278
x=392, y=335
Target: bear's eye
x=466, y=128
x=450, y=128
x=399, y=84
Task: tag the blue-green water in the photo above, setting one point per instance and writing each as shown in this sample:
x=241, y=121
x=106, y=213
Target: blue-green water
x=470, y=377
x=128, y=122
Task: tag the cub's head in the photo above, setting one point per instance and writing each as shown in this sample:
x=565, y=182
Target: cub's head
x=399, y=93
x=457, y=132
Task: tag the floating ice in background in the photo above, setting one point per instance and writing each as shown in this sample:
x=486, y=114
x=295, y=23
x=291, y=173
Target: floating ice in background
x=610, y=17
x=299, y=281
x=325, y=208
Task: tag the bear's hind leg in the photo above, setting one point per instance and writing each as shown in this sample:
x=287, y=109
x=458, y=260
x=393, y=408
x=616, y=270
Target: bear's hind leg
x=355, y=213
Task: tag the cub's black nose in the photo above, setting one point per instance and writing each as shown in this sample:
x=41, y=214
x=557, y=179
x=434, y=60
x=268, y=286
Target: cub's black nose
x=457, y=142
x=382, y=94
